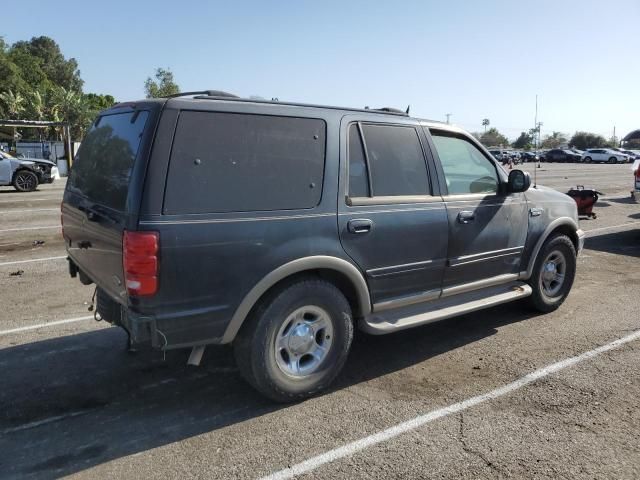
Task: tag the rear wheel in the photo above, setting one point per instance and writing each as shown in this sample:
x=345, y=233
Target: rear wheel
x=296, y=342
x=587, y=159
x=25, y=181
x=553, y=274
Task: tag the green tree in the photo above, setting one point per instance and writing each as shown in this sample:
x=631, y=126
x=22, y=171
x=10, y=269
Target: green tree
x=58, y=70
x=554, y=140
x=493, y=137
x=13, y=105
x=163, y=85
x=524, y=141
x=584, y=140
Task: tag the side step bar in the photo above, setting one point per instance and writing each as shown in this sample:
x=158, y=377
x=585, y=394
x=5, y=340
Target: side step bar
x=427, y=312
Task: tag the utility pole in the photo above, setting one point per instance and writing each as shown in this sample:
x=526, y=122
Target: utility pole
x=448, y=115
x=614, y=136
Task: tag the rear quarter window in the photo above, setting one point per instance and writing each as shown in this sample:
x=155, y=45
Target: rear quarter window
x=230, y=162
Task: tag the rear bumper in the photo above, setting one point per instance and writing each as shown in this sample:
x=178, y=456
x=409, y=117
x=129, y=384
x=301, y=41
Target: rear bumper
x=183, y=329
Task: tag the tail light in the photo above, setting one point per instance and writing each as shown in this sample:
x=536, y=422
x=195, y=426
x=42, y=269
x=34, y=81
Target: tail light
x=637, y=174
x=140, y=262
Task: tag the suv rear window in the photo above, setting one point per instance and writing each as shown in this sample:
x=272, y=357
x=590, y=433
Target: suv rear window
x=102, y=166
x=230, y=162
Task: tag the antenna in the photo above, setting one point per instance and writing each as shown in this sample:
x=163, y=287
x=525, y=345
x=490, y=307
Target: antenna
x=535, y=169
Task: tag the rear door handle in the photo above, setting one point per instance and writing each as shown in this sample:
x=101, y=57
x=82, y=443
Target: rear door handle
x=466, y=216
x=359, y=225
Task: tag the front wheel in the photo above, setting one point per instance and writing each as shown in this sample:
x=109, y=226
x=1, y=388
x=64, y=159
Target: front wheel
x=553, y=274
x=587, y=159
x=25, y=181
x=296, y=341
x=612, y=160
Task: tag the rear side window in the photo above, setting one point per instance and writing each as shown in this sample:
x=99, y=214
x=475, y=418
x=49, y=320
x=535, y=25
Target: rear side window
x=393, y=154
x=229, y=162
x=102, y=167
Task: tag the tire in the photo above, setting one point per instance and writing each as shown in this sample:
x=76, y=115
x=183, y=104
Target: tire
x=587, y=159
x=25, y=181
x=295, y=308
x=548, y=295
x=613, y=160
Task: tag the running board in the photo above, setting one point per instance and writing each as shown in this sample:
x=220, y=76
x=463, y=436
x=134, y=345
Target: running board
x=427, y=312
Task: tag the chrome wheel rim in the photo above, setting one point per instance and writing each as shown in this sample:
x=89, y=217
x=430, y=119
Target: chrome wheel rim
x=25, y=182
x=303, y=341
x=552, y=276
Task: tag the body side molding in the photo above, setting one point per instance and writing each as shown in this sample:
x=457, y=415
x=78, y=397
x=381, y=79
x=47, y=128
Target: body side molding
x=297, y=266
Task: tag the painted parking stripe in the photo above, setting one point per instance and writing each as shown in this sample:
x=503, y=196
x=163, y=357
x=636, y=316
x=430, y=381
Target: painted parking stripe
x=44, y=325
x=27, y=200
x=410, y=425
x=612, y=227
x=32, y=260
x=40, y=227
x=31, y=210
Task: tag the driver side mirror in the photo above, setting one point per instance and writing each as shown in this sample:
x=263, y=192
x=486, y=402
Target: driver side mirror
x=519, y=181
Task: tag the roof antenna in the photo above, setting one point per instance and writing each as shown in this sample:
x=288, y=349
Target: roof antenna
x=408, y=108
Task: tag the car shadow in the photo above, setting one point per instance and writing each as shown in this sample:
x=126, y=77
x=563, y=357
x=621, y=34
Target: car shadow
x=624, y=200
x=619, y=243
x=73, y=402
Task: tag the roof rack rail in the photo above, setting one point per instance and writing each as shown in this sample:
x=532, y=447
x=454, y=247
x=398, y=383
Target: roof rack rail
x=208, y=93
x=224, y=96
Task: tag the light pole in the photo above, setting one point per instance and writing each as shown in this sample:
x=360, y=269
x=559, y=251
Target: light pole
x=448, y=116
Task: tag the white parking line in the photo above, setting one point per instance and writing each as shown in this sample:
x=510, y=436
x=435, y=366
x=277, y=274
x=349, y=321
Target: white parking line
x=392, y=432
x=40, y=227
x=43, y=325
x=612, y=227
x=30, y=210
x=45, y=259
x=27, y=200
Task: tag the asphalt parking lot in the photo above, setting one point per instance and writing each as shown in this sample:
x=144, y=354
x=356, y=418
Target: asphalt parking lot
x=448, y=400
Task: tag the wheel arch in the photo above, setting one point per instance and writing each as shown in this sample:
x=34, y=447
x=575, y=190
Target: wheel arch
x=343, y=274
x=565, y=226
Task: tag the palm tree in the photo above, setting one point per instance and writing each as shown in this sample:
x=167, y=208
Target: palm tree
x=485, y=123
x=13, y=106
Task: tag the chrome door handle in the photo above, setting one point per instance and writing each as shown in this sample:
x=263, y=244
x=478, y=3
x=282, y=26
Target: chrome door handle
x=466, y=216
x=359, y=225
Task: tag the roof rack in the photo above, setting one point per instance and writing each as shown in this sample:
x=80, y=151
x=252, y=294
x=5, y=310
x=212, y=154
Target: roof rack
x=208, y=93
x=219, y=95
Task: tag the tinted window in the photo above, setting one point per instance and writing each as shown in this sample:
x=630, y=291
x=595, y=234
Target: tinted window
x=102, y=167
x=224, y=162
x=358, y=180
x=466, y=169
x=396, y=160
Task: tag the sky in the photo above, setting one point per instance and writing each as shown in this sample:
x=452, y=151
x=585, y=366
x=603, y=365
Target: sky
x=471, y=59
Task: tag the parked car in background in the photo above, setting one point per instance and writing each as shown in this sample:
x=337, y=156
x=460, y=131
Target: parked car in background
x=25, y=174
x=578, y=153
x=631, y=155
x=497, y=154
x=603, y=155
x=562, y=156
x=529, y=157
x=276, y=228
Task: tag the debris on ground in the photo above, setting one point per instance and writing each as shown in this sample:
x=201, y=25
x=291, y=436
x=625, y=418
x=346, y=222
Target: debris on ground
x=37, y=243
x=17, y=273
